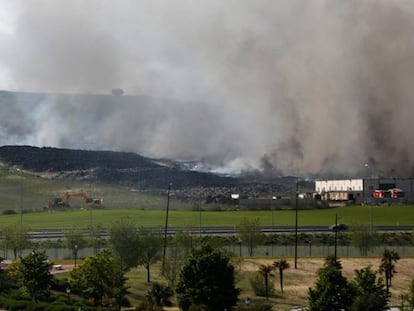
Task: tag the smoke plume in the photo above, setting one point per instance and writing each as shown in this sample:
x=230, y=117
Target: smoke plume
x=291, y=87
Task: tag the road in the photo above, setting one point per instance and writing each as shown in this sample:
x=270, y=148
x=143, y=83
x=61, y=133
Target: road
x=221, y=231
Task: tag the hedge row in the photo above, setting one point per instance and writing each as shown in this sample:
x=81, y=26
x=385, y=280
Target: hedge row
x=16, y=305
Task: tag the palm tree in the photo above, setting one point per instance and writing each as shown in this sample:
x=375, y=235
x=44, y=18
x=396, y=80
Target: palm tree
x=387, y=265
x=266, y=271
x=281, y=265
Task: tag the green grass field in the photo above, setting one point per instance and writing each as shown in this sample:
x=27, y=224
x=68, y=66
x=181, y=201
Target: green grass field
x=382, y=215
x=149, y=210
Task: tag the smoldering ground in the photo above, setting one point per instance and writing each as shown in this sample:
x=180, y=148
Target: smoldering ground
x=295, y=87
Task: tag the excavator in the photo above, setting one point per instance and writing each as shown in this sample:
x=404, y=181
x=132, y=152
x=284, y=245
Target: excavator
x=65, y=201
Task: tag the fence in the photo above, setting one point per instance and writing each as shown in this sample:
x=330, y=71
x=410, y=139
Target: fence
x=260, y=251
x=316, y=251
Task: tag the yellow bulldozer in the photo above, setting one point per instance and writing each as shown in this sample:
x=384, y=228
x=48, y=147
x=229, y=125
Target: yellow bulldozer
x=64, y=202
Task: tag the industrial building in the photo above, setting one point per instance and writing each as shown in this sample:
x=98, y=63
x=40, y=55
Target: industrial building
x=370, y=190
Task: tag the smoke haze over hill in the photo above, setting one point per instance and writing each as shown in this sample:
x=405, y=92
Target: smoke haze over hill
x=292, y=87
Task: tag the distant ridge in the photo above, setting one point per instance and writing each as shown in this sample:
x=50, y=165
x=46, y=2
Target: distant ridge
x=56, y=159
x=125, y=168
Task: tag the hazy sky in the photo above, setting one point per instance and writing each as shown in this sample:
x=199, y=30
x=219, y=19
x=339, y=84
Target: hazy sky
x=299, y=87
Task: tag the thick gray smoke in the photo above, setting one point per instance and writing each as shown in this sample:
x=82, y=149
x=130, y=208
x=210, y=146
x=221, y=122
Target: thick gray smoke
x=291, y=86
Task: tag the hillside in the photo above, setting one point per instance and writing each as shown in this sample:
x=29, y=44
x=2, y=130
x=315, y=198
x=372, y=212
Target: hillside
x=123, y=168
x=56, y=160
x=133, y=171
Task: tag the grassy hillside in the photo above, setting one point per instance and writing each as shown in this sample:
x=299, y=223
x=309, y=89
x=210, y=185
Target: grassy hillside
x=35, y=192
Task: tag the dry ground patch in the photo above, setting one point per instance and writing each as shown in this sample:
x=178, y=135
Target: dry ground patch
x=298, y=281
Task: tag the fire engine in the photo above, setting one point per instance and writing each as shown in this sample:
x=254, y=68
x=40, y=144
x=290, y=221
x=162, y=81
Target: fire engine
x=393, y=193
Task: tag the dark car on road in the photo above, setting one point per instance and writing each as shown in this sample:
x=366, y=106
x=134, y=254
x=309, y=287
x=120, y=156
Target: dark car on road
x=338, y=227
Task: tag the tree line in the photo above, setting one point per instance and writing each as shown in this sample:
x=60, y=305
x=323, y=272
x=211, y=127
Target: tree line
x=15, y=239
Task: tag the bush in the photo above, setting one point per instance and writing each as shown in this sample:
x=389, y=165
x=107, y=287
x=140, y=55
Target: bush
x=9, y=212
x=59, y=285
x=258, y=286
x=159, y=294
x=145, y=306
x=62, y=299
x=58, y=305
x=197, y=308
x=258, y=306
x=13, y=305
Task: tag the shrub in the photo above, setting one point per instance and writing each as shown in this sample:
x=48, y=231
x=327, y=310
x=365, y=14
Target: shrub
x=258, y=306
x=159, y=294
x=145, y=306
x=59, y=285
x=197, y=308
x=9, y=212
x=259, y=288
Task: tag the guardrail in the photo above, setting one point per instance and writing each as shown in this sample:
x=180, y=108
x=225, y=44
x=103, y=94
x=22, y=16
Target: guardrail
x=57, y=234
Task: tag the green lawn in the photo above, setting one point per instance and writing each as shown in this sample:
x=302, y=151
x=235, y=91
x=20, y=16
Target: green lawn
x=382, y=215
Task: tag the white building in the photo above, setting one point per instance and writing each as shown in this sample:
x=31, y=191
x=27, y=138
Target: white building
x=339, y=185
x=361, y=190
x=341, y=190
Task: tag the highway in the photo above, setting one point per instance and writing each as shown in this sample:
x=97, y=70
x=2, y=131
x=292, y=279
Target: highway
x=50, y=234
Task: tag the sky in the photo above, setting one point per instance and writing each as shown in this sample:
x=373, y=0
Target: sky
x=287, y=87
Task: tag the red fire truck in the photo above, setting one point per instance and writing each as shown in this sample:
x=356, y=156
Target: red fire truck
x=393, y=193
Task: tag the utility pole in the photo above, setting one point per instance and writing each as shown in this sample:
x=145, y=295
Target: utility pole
x=21, y=195
x=296, y=225
x=199, y=202
x=166, y=228
x=336, y=235
x=90, y=208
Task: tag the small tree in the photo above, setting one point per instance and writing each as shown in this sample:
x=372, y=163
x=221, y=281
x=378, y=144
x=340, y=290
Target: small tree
x=75, y=240
x=207, y=278
x=34, y=275
x=95, y=237
x=364, y=239
x=332, y=291
x=266, y=272
x=150, y=246
x=124, y=241
x=16, y=238
x=99, y=277
x=387, y=265
x=371, y=294
x=410, y=295
x=281, y=265
x=4, y=279
x=250, y=234
x=179, y=249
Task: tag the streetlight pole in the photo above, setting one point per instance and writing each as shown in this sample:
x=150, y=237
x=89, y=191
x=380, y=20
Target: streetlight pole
x=296, y=226
x=68, y=290
x=76, y=254
x=199, y=203
x=90, y=207
x=166, y=228
x=273, y=224
x=240, y=252
x=336, y=236
x=21, y=195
